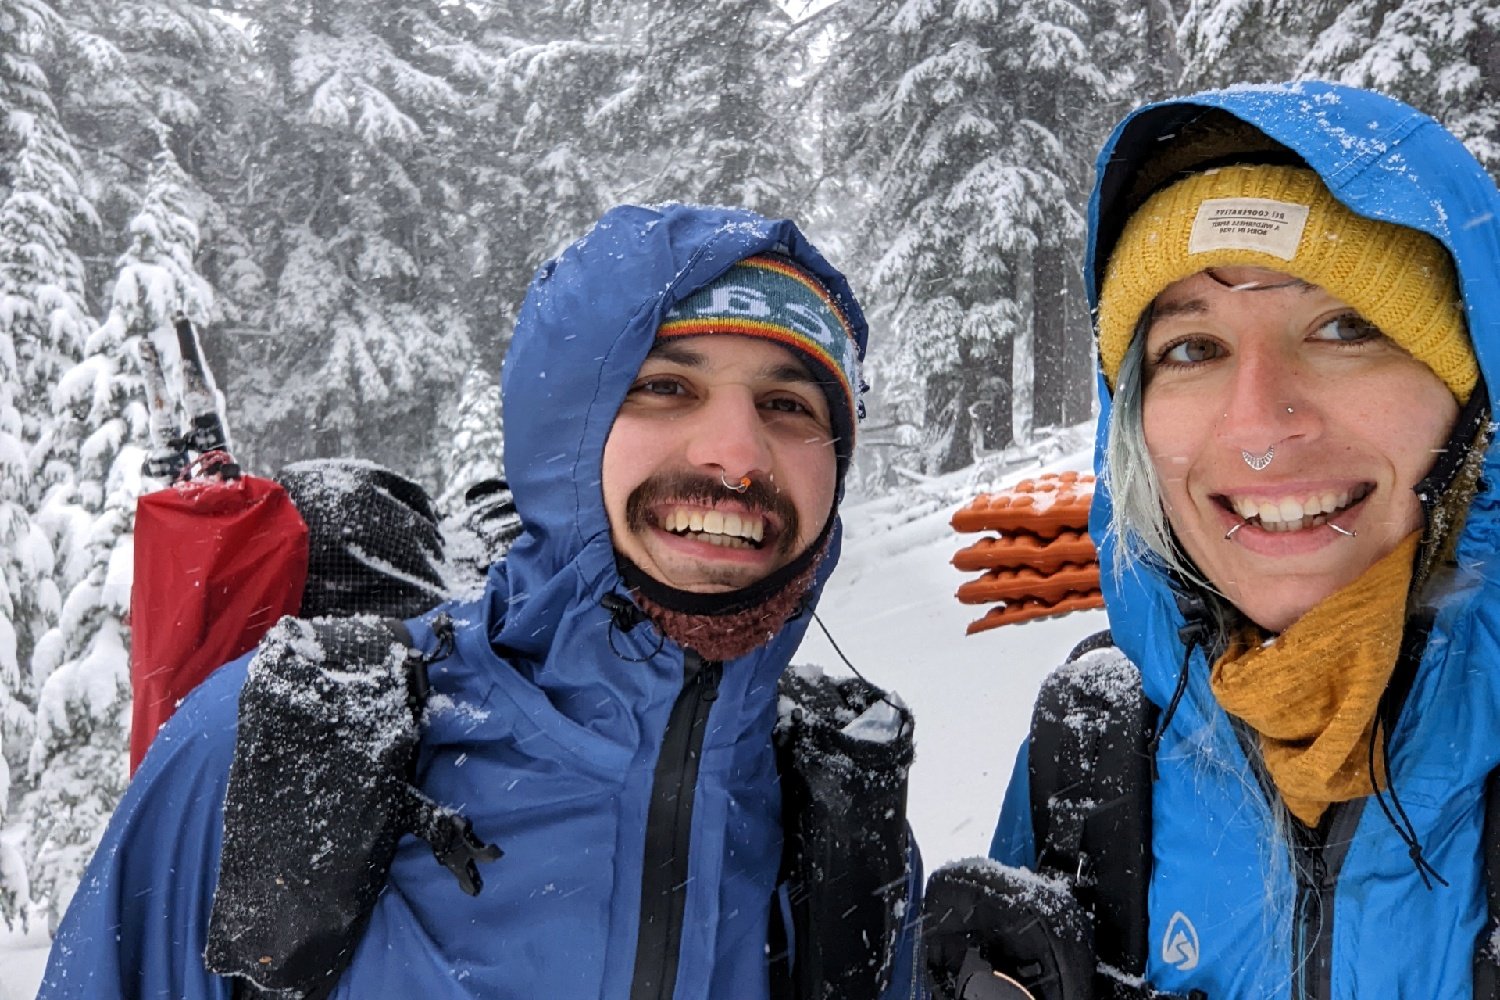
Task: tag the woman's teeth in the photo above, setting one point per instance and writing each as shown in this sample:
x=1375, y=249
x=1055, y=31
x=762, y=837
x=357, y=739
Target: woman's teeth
x=1296, y=513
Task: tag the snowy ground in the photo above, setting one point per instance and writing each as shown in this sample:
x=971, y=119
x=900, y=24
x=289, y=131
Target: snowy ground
x=891, y=609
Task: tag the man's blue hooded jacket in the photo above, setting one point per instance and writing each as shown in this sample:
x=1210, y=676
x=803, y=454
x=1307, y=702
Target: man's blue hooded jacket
x=544, y=726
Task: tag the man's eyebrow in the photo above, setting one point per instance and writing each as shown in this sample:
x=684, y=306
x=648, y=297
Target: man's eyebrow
x=676, y=353
x=789, y=370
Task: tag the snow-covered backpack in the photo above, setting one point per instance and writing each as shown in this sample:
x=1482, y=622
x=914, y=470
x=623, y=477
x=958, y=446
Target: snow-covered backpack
x=321, y=790
x=1091, y=762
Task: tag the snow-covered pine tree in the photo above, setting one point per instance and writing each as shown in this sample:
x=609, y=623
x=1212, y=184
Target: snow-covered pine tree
x=703, y=105
x=546, y=172
x=975, y=180
x=44, y=212
x=1442, y=56
x=1239, y=41
x=1148, y=56
x=135, y=73
x=78, y=761
x=42, y=327
x=473, y=436
x=355, y=185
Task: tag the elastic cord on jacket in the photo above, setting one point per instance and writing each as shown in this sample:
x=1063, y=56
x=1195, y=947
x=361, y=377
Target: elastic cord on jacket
x=1413, y=642
x=1192, y=633
x=624, y=616
x=1396, y=816
x=1431, y=492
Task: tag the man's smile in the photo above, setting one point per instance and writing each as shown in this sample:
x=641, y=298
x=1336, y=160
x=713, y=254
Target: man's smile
x=732, y=529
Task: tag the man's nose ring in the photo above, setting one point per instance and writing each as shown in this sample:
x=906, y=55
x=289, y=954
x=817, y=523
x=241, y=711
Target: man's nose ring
x=736, y=487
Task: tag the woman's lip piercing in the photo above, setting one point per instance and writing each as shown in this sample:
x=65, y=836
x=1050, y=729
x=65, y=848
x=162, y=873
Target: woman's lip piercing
x=1343, y=531
x=736, y=487
x=1258, y=462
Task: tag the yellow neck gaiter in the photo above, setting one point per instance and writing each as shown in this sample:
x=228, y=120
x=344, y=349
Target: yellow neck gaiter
x=1312, y=692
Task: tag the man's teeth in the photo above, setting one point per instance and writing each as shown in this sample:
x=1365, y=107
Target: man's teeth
x=726, y=528
x=1295, y=513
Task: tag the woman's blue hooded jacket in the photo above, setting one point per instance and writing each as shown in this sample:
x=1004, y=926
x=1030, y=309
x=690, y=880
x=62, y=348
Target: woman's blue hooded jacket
x=1229, y=912
x=544, y=727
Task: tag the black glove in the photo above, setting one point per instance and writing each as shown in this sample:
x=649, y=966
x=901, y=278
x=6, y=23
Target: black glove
x=844, y=750
x=319, y=794
x=999, y=933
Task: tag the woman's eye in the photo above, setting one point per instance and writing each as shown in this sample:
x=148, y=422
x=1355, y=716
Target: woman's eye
x=1350, y=328
x=1190, y=351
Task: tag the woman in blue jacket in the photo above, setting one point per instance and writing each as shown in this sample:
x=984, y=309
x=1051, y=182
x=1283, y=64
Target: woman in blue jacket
x=1296, y=291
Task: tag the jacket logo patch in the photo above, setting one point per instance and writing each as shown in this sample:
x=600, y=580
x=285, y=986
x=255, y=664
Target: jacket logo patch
x=1179, y=946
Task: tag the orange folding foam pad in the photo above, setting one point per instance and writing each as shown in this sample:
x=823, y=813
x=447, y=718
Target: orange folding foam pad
x=1045, y=506
x=1029, y=609
x=1017, y=551
x=1011, y=585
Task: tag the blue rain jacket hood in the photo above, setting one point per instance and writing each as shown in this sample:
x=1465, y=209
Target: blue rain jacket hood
x=1225, y=915
x=544, y=726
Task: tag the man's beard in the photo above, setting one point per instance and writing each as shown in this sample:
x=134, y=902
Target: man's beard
x=723, y=626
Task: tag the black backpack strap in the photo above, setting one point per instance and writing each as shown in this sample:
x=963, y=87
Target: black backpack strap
x=845, y=861
x=1091, y=794
x=1486, y=959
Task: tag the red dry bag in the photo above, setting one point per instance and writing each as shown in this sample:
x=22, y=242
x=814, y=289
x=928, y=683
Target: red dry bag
x=217, y=562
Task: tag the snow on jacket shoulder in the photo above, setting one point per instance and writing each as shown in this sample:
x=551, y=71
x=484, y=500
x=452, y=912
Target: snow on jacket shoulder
x=545, y=725
x=1229, y=912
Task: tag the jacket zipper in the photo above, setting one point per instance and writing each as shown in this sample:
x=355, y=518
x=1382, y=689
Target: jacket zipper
x=1318, y=857
x=669, y=831
x=1308, y=931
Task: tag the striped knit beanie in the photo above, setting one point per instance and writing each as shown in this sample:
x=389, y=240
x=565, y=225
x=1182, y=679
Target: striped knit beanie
x=1284, y=219
x=775, y=298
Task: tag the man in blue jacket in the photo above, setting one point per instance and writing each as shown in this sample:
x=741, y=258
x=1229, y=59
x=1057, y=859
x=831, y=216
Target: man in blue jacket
x=681, y=397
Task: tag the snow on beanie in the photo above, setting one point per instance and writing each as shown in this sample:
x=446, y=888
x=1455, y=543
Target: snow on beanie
x=1284, y=219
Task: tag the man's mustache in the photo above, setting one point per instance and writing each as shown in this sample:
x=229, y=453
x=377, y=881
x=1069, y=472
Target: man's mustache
x=693, y=488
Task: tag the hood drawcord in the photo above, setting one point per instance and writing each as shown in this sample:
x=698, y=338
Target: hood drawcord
x=1193, y=633
x=624, y=616
x=447, y=639
x=1396, y=816
x=1385, y=717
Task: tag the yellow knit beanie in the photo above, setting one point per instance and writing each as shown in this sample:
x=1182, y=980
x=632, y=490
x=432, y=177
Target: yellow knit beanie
x=1284, y=219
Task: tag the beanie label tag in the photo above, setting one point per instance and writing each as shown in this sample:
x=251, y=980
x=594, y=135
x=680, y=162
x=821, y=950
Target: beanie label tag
x=1257, y=224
